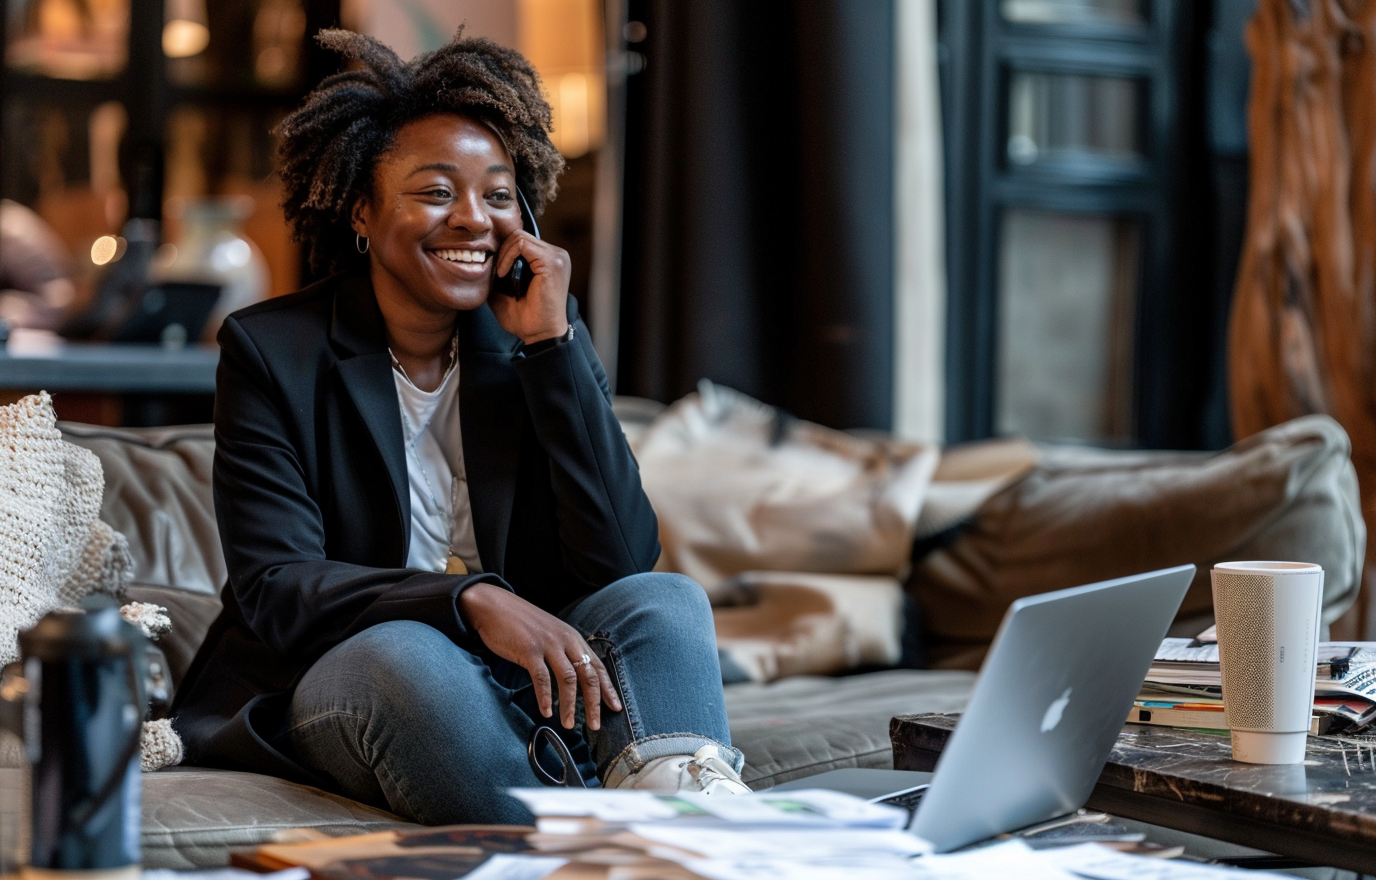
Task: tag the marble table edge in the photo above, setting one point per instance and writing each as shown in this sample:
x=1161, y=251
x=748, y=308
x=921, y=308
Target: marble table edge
x=1279, y=795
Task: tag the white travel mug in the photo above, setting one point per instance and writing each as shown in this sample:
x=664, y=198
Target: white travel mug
x=1268, y=636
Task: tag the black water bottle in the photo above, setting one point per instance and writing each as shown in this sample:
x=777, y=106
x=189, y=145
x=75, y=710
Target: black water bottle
x=81, y=722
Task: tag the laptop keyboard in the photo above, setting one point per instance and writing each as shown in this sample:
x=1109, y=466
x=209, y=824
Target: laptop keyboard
x=907, y=800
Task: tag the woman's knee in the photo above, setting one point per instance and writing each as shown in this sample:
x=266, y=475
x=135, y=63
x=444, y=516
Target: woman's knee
x=673, y=600
x=393, y=642
x=399, y=657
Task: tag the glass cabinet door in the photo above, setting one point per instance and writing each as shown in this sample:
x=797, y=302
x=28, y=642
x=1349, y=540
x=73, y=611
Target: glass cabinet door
x=1071, y=117
x=1074, y=12
x=1072, y=240
x=1067, y=294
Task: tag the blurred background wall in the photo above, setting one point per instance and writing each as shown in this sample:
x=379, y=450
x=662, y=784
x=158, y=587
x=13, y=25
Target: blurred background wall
x=949, y=218
x=758, y=246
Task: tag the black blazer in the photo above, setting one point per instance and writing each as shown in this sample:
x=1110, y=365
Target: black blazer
x=313, y=505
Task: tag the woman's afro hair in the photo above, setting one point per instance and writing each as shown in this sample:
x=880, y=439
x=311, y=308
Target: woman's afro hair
x=330, y=147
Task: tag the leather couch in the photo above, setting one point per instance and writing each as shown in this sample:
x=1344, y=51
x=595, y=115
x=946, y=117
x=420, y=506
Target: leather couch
x=157, y=492
x=1080, y=516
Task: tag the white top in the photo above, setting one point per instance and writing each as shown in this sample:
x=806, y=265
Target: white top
x=441, y=516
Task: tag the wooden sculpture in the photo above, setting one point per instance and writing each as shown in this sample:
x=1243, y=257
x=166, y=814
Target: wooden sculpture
x=1304, y=310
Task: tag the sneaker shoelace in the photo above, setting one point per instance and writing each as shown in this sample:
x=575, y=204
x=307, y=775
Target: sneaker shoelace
x=711, y=773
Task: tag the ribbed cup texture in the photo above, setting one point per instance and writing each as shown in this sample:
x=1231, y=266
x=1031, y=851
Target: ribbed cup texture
x=1245, y=607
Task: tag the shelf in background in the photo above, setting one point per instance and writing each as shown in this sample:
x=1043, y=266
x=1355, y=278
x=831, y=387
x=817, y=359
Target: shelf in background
x=53, y=365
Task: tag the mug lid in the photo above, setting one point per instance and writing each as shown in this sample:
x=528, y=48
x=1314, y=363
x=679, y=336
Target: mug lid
x=1269, y=567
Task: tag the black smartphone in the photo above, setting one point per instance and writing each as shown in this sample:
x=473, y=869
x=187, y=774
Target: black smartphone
x=516, y=282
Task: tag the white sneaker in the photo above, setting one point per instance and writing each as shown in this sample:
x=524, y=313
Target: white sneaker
x=706, y=772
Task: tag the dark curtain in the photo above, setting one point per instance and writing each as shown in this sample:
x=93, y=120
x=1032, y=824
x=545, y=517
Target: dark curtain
x=758, y=243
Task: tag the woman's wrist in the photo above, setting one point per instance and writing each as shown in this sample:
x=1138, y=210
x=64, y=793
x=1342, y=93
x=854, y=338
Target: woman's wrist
x=546, y=342
x=475, y=599
x=563, y=334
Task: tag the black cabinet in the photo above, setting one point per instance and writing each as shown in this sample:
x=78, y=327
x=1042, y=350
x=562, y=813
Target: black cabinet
x=1080, y=221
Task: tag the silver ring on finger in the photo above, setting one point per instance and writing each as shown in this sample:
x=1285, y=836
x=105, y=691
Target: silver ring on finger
x=585, y=660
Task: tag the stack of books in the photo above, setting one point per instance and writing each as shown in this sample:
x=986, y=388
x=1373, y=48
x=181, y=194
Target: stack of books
x=1184, y=687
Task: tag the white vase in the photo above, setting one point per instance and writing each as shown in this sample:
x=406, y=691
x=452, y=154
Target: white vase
x=212, y=249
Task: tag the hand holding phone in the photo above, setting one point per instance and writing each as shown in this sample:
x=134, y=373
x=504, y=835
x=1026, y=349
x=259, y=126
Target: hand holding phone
x=516, y=282
x=524, y=257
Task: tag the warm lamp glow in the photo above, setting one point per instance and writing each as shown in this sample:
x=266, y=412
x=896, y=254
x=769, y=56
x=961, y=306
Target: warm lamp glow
x=103, y=249
x=182, y=38
x=563, y=39
x=69, y=39
x=187, y=31
x=572, y=135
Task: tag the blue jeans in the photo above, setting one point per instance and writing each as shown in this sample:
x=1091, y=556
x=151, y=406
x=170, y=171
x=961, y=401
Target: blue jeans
x=400, y=717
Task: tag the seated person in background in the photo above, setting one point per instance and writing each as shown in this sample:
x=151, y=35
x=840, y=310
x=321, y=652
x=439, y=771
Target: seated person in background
x=435, y=532
x=36, y=287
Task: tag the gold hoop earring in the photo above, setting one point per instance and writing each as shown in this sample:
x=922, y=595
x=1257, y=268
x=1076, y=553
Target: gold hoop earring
x=361, y=243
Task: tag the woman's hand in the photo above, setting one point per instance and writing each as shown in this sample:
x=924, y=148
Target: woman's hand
x=542, y=312
x=546, y=647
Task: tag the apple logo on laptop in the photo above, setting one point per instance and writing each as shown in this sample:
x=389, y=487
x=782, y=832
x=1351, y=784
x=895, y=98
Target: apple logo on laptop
x=1054, y=711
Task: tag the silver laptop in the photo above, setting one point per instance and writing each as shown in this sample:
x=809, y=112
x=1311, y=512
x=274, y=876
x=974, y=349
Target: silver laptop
x=1047, y=708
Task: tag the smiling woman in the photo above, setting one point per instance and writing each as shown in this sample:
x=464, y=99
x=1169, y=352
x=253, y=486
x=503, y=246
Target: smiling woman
x=442, y=202
x=432, y=226
x=435, y=532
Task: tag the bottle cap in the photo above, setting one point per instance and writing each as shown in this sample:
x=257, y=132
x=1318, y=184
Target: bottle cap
x=68, y=635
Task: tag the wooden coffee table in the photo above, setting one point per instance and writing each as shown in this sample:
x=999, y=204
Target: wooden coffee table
x=1323, y=811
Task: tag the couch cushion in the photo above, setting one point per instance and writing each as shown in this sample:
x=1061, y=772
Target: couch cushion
x=193, y=817
x=796, y=727
x=157, y=494
x=777, y=624
x=1086, y=515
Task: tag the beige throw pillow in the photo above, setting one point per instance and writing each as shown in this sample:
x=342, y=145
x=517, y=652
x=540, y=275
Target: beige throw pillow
x=773, y=624
x=739, y=487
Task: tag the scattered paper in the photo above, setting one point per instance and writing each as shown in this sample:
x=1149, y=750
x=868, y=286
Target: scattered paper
x=1186, y=651
x=797, y=844
x=857, y=867
x=811, y=807
x=1095, y=862
x=997, y=862
x=808, y=808
x=608, y=805
x=224, y=874
x=1344, y=677
x=796, y=835
x=509, y=867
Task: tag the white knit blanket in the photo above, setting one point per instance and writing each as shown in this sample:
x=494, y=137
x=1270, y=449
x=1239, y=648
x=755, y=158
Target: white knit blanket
x=54, y=549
